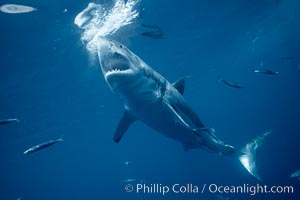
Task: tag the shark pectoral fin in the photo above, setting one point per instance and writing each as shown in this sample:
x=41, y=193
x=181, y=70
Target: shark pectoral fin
x=179, y=85
x=126, y=120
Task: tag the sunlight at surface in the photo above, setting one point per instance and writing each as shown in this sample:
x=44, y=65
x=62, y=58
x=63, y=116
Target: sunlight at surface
x=98, y=20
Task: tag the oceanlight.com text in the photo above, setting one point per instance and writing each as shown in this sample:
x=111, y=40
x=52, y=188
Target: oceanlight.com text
x=250, y=189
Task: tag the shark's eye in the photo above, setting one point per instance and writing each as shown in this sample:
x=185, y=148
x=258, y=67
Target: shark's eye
x=121, y=46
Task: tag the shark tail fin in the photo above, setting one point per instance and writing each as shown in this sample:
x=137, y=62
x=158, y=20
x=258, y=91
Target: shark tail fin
x=248, y=154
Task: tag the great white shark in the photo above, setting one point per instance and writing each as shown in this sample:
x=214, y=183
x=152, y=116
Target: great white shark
x=152, y=99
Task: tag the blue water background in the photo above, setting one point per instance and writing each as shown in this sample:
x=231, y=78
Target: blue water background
x=49, y=81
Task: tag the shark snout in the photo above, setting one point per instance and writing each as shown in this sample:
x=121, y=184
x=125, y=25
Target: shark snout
x=105, y=54
x=103, y=45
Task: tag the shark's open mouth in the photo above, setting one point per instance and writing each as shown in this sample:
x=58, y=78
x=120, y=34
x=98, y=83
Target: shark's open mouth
x=120, y=69
x=116, y=64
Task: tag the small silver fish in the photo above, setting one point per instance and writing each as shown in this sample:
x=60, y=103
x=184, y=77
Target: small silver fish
x=265, y=71
x=156, y=32
x=8, y=121
x=43, y=145
x=127, y=163
x=229, y=83
x=296, y=174
x=16, y=9
x=129, y=180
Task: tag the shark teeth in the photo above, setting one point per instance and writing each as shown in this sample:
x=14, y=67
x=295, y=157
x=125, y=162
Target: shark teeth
x=116, y=71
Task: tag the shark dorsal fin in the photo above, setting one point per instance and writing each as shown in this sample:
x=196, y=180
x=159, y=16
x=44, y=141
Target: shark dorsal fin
x=126, y=120
x=179, y=85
